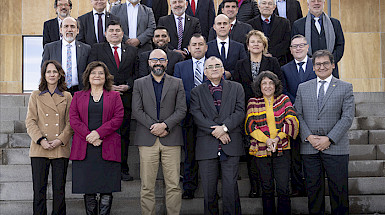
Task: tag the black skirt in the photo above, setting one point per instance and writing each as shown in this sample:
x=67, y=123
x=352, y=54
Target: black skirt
x=94, y=174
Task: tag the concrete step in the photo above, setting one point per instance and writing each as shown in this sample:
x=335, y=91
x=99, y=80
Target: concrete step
x=365, y=97
x=370, y=109
x=368, y=123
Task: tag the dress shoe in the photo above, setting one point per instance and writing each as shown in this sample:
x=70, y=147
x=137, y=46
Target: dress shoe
x=297, y=193
x=253, y=194
x=188, y=194
x=126, y=176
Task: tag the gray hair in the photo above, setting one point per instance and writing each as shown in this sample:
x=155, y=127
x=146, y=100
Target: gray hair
x=274, y=2
x=211, y=58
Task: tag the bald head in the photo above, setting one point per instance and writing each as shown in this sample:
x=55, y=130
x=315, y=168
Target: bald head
x=158, y=62
x=222, y=26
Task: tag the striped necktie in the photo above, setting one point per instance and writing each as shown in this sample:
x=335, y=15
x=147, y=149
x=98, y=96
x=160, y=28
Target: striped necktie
x=180, y=33
x=197, y=75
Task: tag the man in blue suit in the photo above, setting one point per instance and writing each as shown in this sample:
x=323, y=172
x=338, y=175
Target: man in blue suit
x=203, y=10
x=191, y=73
x=296, y=72
x=229, y=51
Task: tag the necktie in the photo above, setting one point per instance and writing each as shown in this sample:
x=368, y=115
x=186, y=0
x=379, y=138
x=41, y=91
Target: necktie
x=267, y=21
x=301, y=72
x=100, y=28
x=180, y=32
x=321, y=94
x=223, y=52
x=193, y=6
x=197, y=75
x=116, y=56
x=231, y=27
x=317, y=24
x=69, y=66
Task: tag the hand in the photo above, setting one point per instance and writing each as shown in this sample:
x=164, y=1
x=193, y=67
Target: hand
x=115, y=88
x=228, y=75
x=165, y=133
x=313, y=139
x=158, y=128
x=55, y=143
x=225, y=139
x=270, y=145
x=97, y=142
x=218, y=131
x=91, y=137
x=184, y=53
x=44, y=143
x=133, y=42
x=322, y=143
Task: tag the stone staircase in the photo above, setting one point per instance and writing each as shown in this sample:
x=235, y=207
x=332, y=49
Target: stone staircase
x=366, y=167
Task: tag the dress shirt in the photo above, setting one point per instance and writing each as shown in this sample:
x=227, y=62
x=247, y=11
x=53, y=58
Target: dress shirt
x=202, y=62
x=119, y=50
x=304, y=64
x=227, y=40
x=320, y=19
x=75, y=80
x=59, y=22
x=176, y=21
x=263, y=18
x=96, y=19
x=326, y=85
x=232, y=24
x=132, y=17
x=196, y=5
x=281, y=5
x=57, y=91
x=158, y=87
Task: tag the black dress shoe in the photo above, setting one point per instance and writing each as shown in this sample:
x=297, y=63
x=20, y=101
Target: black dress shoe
x=188, y=194
x=297, y=193
x=126, y=176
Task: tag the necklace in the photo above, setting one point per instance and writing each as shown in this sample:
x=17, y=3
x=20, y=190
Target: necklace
x=96, y=98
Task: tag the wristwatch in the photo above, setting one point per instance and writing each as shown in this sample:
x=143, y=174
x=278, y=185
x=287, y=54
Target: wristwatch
x=225, y=129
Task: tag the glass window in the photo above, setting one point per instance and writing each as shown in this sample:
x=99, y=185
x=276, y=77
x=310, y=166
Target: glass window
x=32, y=55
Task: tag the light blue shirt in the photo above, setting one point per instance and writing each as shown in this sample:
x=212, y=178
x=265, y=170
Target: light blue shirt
x=74, y=71
x=281, y=5
x=177, y=21
x=202, y=62
x=326, y=85
x=132, y=17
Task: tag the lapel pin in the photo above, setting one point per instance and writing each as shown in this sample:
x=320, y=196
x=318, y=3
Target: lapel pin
x=334, y=85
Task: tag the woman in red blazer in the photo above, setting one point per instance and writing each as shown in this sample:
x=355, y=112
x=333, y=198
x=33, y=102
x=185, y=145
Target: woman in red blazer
x=96, y=113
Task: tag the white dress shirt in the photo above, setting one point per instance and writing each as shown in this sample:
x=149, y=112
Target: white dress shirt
x=303, y=66
x=119, y=50
x=227, y=40
x=176, y=21
x=202, y=62
x=75, y=80
x=132, y=17
x=59, y=22
x=96, y=19
x=196, y=4
x=281, y=6
x=326, y=85
x=263, y=18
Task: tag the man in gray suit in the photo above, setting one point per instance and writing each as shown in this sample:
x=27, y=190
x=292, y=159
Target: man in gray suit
x=325, y=107
x=72, y=54
x=138, y=24
x=219, y=139
x=159, y=106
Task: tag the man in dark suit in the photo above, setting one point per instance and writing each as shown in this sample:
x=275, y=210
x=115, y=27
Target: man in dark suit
x=159, y=106
x=159, y=7
x=180, y=26
x=289, y=9
x=276, y=28
x=71, y=54
x=120, y=59
x=51, y=27
x=238, y=29
x=325, y=108
x=93, y=23
x=222, y=47
x=218, y=108
x=248, y=9
x=191, y=73
x=203, y=10
x=321, y=32
x=296, y=72
x=160, y=40
x=139, y=29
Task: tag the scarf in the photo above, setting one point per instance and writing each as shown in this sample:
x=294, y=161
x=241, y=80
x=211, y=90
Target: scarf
x=329, y=32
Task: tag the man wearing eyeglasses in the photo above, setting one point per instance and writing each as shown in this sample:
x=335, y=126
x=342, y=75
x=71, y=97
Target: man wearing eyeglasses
x=159, y=106
x=325, y=108
x=218, y=108
x=51, y=28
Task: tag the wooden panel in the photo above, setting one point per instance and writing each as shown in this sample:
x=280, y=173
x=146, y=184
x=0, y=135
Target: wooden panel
x=353, y=13
x=10, y=17
x=10, y=58
x=34, y=16
x=362, y=56
x=84, y=6
x=382, y=14
x=335, y=8
x=366, y=85
x=11, y=87
x=74, y=11
x=383, y=52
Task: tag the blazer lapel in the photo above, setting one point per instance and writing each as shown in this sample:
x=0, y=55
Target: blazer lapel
x=85, y=101
x=313, y=93
x=329, y=91
x=47, y=99
x=247, y=68
x=275, y=24
x=78, y=52
x=173, y=30
x=139, y=21
x=56, y=28
x=150, y=88
x=225, y=95
x=187, y=27
x=166, y=86
x=123, y=58
x=209, y=98
x=106, y=105
x=58, y=52
x=91, y=27
x=295, y=72
x=309, y=68
x=108, y=52
x=124, y=20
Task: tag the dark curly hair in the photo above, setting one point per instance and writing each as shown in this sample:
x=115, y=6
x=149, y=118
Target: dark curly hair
x=109, y=79
x=256, y=85
x=61, y=84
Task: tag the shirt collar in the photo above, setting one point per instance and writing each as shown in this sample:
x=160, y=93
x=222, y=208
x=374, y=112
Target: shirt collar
x=226, y=40
x=281, y=0
x=328, y=79
x=233, y=22
x=65, y=43
x=57, y=91
x=96, y=12
x=161, y=81
x=119, y=45
x=304, y=60
x=320, y=17
x=183, y=16
x=129, y=3
x=202, y=60
x=212, y=84
x=263, y=18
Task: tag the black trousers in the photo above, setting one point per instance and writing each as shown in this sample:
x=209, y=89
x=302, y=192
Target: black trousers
x=125, y=130
x=296, y=175
x=336, y=168
x=278, y=169
x=209, y=170
x=190, y=174
x=40, y=170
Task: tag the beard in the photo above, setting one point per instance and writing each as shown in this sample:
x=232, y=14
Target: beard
x=158, y=69
x=69, y=37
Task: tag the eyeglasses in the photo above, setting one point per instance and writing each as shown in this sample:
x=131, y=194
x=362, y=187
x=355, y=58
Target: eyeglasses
x=155, y=60
x=298, y=45
x=325, y=64
x=216, y=66
x=63, y=5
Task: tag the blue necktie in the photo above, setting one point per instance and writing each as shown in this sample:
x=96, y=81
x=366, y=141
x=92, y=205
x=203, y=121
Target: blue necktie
x=321, y=94
x=69, y=66
x=197, y=75
x=301, y=72
x=223, y=52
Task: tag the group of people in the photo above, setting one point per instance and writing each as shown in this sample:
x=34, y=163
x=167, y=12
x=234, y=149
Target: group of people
x=256, y=82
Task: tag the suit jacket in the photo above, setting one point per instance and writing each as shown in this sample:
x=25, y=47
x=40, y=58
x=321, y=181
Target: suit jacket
x=87, y=27
x=112, y=119
x=172, y=56
x=242, y=73
x=232, y=114
x=205, y=12
x=293, y=11
x=159, y=7
x=172, y=110
x=51, y=31
x=279, y=40
x=236, y=52
x=191, y=26
x=53, y=51
x=145, y=24
x=48, y=116
x=292, y=77
x=238, y=33
x=247, y=11
x=333, y=119
x=125, y=73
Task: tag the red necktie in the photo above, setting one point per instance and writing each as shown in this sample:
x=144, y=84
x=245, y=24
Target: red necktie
x=193, y=6
x=267, y=21
x=116, y=56
x=231, y=27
